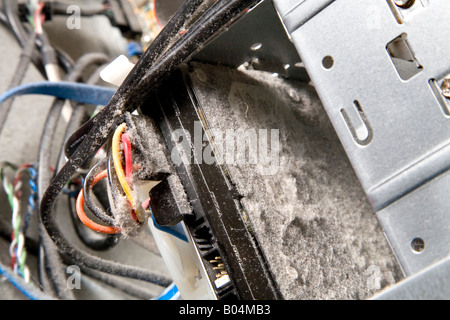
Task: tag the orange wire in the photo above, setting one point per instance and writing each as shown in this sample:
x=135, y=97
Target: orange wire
x=82, y=214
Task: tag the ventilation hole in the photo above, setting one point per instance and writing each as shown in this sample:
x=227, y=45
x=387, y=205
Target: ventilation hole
x=328, y=62
x=418, y=245
x=403, y=58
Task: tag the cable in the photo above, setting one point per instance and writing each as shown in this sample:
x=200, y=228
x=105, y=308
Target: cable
x=125, y=286
x=19, y=74
x=126, y=99
x=85, y=219
x=32, y=205
x=150, y=56
x=49, y=58
x=128, y=157
x=29, y=291
x=85, y=61
x=171, y=293
x=17, y=250
x=92, y=239
x=19, y=31
x=78, y=110
x=52, y=258
x=22, y=35
x=79, y=92
x=145, y=76
x=176, y=230
x=56, y=279
x=88, y=184
x=17, y=247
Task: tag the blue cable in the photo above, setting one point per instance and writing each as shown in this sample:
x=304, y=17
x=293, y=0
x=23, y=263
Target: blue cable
x=82, y=93
x=134, y=49
x=176, y=230
x=30, y=292
x=32, y=198
x=171, y=293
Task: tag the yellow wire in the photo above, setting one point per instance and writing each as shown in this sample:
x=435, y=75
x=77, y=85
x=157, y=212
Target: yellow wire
x=118, y=163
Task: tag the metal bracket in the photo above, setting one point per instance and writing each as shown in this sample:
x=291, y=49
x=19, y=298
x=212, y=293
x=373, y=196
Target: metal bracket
x=378, y=69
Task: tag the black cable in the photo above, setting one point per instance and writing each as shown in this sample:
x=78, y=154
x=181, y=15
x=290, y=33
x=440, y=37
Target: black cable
x=151, y=55
x=21, y=34
x=94, y=240
x=16, y=26
x=84, y=62
x=78, y=112
x=44, y=158
x=123, y=285
x=54, y=274
x=95, y=209
x=52, y=259
x=19, y=31
x=19, y=74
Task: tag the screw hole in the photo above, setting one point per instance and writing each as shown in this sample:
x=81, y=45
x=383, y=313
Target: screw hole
x=328, y=62
x=418, y=245
x=405, y=4
x=256, y=46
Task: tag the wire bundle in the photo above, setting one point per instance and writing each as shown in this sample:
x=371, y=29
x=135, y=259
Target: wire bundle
x=17, y=249
x=123, y=173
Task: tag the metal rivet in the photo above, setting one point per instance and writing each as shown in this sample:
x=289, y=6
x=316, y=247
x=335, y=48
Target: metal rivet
x=445, y=87
x=405, y=4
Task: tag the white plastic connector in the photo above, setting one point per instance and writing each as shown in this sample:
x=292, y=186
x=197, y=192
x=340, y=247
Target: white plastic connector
x=184, y=264
x=116, y=72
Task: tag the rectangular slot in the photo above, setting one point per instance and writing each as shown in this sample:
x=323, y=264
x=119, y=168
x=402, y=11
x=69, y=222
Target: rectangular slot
x=403, y=58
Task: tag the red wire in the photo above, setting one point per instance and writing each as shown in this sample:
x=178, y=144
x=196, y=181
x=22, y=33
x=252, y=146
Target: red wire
x=128, y=157
x=128, y=164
